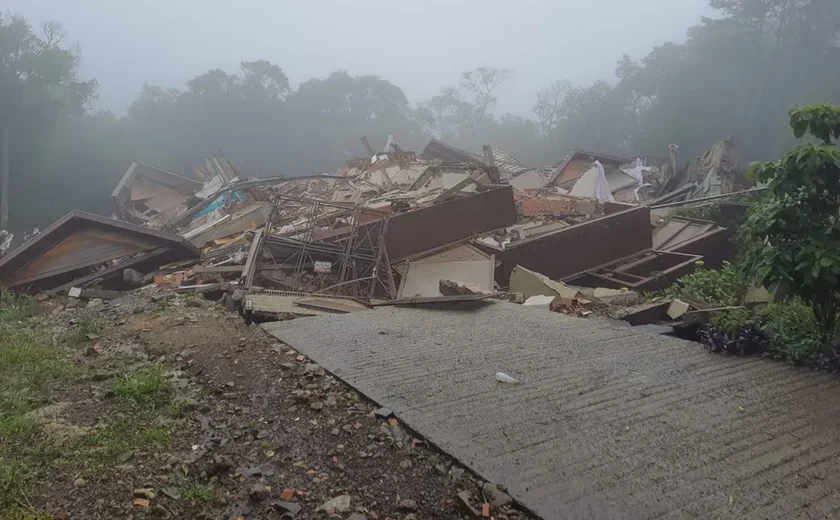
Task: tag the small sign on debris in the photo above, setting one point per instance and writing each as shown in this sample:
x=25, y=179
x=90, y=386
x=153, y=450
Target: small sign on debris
x=323, y=267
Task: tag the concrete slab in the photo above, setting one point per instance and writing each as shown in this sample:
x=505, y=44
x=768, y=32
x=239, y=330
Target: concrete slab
x=607, y=423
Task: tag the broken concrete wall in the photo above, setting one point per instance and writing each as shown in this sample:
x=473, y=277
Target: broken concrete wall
x=531, y=180
x=423, y=279
x=574, y=169
x=579, y=247
x=528, y=283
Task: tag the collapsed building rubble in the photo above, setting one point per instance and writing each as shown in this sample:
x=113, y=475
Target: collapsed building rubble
x=80, y=248
x=392, y=227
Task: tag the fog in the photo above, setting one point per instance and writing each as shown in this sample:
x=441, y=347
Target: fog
x=419, y=45
x=288, y=88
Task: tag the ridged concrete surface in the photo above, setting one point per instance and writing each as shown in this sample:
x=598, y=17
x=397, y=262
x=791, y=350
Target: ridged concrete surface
x=607, y=423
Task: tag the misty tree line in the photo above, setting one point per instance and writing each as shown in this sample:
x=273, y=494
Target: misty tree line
x=737, y=74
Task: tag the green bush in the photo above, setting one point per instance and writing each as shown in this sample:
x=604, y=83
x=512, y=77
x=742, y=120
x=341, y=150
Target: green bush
x=734, y=321
x=792, y=331
x=717, y=287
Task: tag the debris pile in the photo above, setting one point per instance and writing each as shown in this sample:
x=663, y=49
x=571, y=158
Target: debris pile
x=392, y=227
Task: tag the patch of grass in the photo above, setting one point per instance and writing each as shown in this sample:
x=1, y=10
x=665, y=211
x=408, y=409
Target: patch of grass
x=29, y=361
x=126, y=434
x=147, y=385
x=197, y=493
x=84, y=327
x=176, y=410
x=15, y=307
x=157, y=435
x=32, y=366
x=15, y=478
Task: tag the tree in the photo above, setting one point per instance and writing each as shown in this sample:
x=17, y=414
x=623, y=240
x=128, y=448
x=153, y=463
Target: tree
x=448, y=116
x=264, y=77
x=39, y=81
x=793, y=236
x=481, y=83
x=553, y=105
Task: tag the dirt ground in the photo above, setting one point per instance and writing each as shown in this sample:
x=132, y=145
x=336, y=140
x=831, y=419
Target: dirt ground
x=250, y=429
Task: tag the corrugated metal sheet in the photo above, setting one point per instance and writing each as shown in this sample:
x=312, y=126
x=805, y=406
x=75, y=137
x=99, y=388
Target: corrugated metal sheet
x=506, y=161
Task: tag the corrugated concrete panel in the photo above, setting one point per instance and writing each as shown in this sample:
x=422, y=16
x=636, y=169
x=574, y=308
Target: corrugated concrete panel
x=607, y=423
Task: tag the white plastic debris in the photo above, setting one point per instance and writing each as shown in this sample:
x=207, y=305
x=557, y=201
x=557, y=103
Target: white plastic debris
x=504, y=378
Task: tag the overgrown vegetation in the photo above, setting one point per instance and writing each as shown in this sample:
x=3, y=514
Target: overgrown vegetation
x=717, y=287
x=792, y=332
x=792, y=237
x=787, y=330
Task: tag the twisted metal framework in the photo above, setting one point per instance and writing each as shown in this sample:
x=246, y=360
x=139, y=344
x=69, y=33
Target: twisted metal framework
x=358, y=260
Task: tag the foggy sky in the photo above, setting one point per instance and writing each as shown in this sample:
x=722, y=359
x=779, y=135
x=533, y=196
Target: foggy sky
x=419, y=45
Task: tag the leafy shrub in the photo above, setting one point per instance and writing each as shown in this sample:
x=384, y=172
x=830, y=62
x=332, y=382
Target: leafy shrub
x=718, y=287
x=792, y=331
x=734, y=321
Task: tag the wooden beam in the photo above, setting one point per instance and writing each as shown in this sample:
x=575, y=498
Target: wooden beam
x=108, y=271
x=488, y=155
x=251, y=263
x=368, y=147
x=199, y=269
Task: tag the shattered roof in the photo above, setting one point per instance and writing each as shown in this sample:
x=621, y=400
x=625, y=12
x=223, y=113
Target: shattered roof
x=437, y=149
x=74, y=257
x=167, y=178
x=506, y=161
x=593, y=156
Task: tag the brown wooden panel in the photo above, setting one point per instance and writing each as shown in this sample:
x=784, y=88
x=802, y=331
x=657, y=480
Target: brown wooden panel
x=81, y=249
